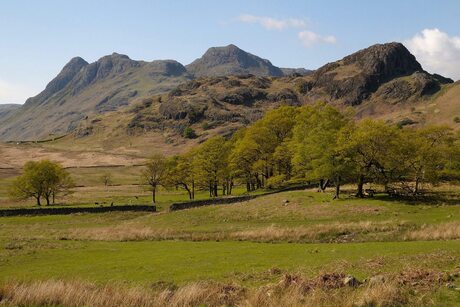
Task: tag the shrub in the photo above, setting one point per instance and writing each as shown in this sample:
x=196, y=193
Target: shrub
x=189, y=133
x=276, y=181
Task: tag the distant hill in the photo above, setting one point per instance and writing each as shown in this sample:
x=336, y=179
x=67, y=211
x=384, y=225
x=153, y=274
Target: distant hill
x=82, y=89
x=224, y=89
x=7, y=109
x=296, y=71
x=231, y=60
x=383, y=81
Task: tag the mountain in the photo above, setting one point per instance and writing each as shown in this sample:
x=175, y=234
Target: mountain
x=231, y=60
x=82, y=89
x=7, y=109
x=388, y=71
x=296, y=71
x=383, y=81
x=225, y=89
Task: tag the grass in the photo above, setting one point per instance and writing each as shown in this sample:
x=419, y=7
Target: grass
x=179, y=262
x=237, y=253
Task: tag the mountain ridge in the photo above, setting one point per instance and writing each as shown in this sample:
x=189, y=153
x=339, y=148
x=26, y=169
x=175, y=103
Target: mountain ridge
x=381, y=73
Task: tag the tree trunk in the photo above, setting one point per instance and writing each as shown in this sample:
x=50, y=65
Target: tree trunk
x=193, y=189
x=360, y=192
x=417, y=182
x=38, y=201
x=189, y=192
x=153, y=194
x=47, y=198
x=337, y=188
x=54, y=194
x=323, y=185
x=215, y=189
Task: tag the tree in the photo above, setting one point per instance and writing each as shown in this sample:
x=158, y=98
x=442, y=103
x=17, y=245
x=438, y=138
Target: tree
x=371, y=147
x=154, y=174
x=210, y=163
x=181, y=173
x=106, y=179
x=254, y=158
x=315, y=138
x=423, y=155
x=41, y=179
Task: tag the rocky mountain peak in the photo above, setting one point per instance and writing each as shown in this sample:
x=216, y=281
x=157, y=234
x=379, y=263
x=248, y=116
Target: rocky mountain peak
x=387, y=60
x=355, y=77
x=231, y=60
x=68, y=72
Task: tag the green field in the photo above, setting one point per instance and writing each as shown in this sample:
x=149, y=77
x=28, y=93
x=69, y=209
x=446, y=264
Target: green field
x=298, y=232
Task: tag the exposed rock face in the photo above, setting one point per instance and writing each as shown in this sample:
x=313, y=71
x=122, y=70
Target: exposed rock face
x=381, y=75
x=66, y=75
x=82, y=89
x=357, y=76
x=231, y=60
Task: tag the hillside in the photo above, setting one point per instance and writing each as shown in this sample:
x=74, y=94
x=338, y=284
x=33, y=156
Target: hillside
x=392, y=86
x=119, y=98
x=82, y=89
x=7, y=109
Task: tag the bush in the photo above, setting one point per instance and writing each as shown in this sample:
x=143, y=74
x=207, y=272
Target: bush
x=205, y=126
x=189, y=133
x=457, y=120
x=276, y=182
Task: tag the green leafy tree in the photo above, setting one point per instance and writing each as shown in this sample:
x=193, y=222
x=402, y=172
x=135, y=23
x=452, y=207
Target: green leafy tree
x=423, y=155
x=154, y=174
x=315, y=136
x=181, y=173
x=370, y=148
x=210, y=163
x=41, y=179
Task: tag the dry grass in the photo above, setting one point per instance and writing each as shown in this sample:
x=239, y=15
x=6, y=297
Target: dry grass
x=444, y=231
x=333, y=232
x=291, y=290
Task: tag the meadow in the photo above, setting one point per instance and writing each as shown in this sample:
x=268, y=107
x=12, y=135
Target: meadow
x=287, y=248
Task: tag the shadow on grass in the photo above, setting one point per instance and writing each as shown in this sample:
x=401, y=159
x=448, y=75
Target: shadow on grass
x=428, y=198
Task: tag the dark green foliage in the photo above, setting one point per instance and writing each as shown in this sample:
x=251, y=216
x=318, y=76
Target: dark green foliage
x=189, y=133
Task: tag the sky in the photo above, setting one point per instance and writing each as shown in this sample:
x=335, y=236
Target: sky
x=37, y=38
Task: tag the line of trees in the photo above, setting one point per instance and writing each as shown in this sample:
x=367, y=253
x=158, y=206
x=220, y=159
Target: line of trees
x=41, y=180
x=316, y=143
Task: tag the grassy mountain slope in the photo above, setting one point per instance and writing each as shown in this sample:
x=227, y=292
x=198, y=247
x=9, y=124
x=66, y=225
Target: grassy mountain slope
x=85, y=89
x=7, y=110
x=82, y=89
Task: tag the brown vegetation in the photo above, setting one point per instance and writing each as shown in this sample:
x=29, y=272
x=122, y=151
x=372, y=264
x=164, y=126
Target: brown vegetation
x=332, y=232
x=330, y=289
x=444, y=231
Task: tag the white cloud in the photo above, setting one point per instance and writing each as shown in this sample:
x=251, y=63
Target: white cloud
x=307, y=37
x=310, y=38
x=14, y=93
x=270, y=23
x=437, y=52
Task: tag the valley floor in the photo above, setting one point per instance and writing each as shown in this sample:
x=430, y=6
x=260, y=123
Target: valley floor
x=291, y=248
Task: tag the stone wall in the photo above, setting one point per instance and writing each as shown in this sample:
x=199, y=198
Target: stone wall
x=71, y=210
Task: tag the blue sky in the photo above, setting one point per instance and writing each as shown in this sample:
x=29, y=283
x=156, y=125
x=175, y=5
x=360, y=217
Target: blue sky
x=39, y=37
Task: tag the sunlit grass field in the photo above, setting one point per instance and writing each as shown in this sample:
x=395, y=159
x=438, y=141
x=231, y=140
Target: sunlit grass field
x=250, y=245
